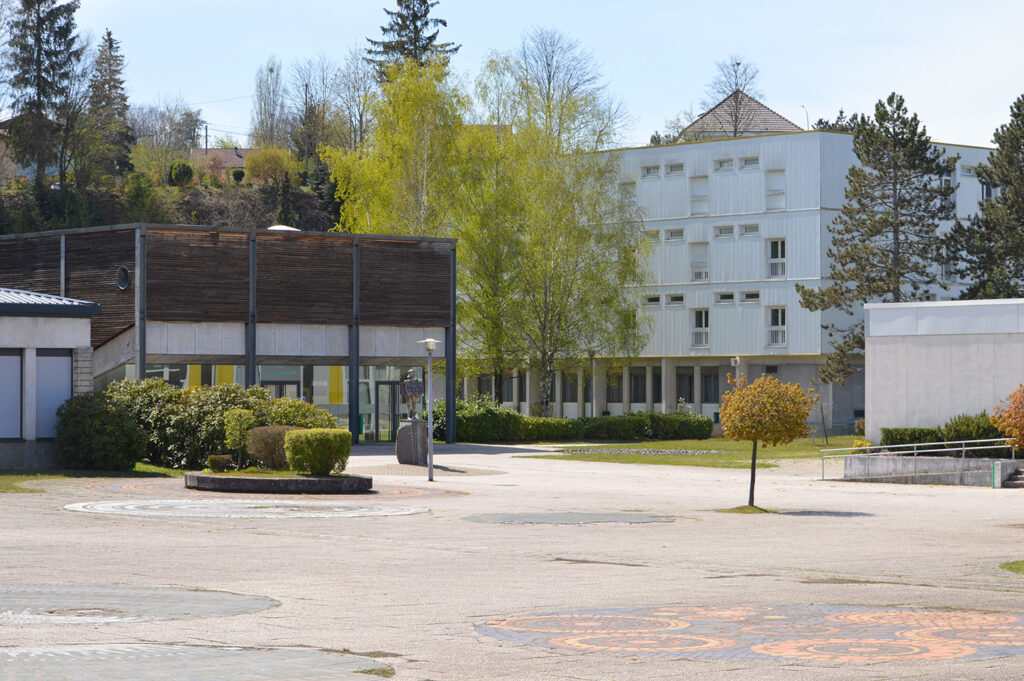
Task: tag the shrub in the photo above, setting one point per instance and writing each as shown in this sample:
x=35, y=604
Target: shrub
x=237, y=174
x=266, y=445
x=152, y=404
x=180, y=174
x=289, y=411
x=92, y=433
x=218, y=463
x=551, y=429
x=197, y=427
x=237, y=422
x=861, y=443
x=1009, y=417
x=967, y=427
x=909, y=436
x=480, y=420
x=858, y=427
x=625, y=427
x=317, y=450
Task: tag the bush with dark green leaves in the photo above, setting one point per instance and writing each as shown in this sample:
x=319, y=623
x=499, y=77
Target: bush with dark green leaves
x=180, y=174
x=218, y=463
x=237, y=174
x=152, y=403
x=290, y=411
x=94, y=434
x=318, y=450
x=909, y=436
x=266, y=445
x=967, y=427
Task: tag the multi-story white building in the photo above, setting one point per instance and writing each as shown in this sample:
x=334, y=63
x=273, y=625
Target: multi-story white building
x=735, y=224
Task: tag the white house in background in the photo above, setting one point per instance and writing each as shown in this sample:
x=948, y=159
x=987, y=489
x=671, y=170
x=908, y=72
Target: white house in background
x=45, y=358
x=928, y=362
x=734, y=224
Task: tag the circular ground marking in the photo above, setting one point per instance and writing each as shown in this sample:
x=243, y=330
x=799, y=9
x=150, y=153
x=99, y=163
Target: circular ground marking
x=982, y=636
x=143, y=662
x=863, y=649
x=564, y=518
x=588, y=623
x=241, y=508
x=832, y=633
x=955, y=619
x=95, y=603
x=643, y=643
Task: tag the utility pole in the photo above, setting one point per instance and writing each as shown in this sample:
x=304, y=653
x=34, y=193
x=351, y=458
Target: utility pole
x=206, y=135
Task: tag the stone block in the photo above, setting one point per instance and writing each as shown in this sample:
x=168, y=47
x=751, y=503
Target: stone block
x=411, y=442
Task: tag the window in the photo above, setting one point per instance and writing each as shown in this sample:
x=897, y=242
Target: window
x=776, y=258
x=771, y=369
x=675, y=169
x=676, y=299
x=967, y=171
x=613, y=392
x=570, y=390
x=699, y=261
x=749, y=162
x=751, y=297
x=53, y=388
x=652, y=300
x=699, y=195
x=10, y=394
x=949, y=202
x=650, y=171
x=775, y=189
x=700, y=328
x=684, y=387
x=724, y=230
x=709, y=388
x=506, y=387
x=627, y=191
x=929, y=297
x=653, y=235
x=675, y=234
x=483, y=385
x=776, y=326
x=986, y=191
x=723, y=297
x=749, y=230
x=638, y=384
x=723, y=164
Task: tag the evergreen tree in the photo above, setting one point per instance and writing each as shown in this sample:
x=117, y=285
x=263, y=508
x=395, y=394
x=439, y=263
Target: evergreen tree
x=990, y=249
x=108, y=111
x=842, y=123
x=884, y=241
x=408, y=36
x=42, y=54
x=285, y=209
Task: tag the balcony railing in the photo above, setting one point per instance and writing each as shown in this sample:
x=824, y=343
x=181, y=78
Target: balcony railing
x=776, y=268
x=700, y=338
x=700, y=271
x=776, y=336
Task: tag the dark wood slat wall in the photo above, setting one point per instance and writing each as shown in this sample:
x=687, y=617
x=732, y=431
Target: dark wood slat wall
x=305, y=280
x=404, y=283
x=31, y=265
x=91, y=264
x=197, y=276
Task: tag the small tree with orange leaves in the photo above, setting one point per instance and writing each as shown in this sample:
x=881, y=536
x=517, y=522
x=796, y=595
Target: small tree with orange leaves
x=768, y=411
x=1008, y=417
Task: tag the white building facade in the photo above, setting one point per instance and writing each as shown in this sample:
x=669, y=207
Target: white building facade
x=734, y=224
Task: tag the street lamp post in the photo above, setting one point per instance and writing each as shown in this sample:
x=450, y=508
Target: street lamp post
x=430, y=344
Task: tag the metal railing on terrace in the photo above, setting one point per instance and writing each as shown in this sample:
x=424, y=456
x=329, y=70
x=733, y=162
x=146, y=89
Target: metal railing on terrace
x=921, y=448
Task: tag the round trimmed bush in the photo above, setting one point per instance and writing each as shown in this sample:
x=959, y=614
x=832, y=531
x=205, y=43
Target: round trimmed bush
x=317, y=450
x=93, y=434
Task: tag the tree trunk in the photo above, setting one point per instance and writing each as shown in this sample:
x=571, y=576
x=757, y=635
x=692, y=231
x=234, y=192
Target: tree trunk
x=496, y=385
x=753, y=473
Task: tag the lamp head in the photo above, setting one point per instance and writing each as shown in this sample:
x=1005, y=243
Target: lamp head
x=429, y=344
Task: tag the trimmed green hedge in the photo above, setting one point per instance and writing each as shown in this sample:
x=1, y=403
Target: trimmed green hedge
x=959, y=428
x=910, y=436
x=317, y=450
x=485, y=421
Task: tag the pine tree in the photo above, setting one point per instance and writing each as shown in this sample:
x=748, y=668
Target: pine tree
x=884, y=241
x=990, y=249
x=108, y=111
x=285, y=210
x=408, y=36
x=43, y=52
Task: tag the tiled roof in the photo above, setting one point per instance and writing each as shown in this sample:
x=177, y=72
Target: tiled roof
x=230, y=158
x=15, y=301
x=754, y=118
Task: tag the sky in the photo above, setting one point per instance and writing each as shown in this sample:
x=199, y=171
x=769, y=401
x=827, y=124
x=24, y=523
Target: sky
x=958, y=64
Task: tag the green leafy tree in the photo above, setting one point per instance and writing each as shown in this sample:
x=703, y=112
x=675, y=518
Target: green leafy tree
x=42, y=55
x=767, y=411
x=885, y=244
x=990, y=248
x=108, y=111
x=270, y=165
x=180, y=174
x=270, y=124
x=167, y=133
x=411, y=33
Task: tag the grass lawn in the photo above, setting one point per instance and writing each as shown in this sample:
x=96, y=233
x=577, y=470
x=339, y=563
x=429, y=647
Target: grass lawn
x=1014, y=566
x=12, y=481
x=722, y=453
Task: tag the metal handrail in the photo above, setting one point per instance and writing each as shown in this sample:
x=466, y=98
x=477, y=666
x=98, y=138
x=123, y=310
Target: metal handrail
x=913, y=449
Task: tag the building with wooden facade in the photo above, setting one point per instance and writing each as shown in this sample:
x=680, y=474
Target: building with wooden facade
x=332, y=318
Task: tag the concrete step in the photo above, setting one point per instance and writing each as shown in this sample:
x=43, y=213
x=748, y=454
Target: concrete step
x=1017, y=484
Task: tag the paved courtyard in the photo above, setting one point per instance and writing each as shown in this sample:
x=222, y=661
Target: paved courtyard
x=513, y=568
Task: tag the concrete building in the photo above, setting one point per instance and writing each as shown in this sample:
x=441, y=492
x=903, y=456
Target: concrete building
x=927, y=362
x=735, y=224
x=45, y=358
x=332, y=318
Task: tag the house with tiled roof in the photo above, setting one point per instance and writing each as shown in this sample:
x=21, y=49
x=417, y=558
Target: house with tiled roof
x=738, y=115
x=220, y=162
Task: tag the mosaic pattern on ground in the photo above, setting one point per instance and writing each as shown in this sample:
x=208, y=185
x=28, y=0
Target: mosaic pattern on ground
x=144, y=662
x=822, y=633
x=96, y=603
x=241, y=508
x=169, y=486
x=564, y=518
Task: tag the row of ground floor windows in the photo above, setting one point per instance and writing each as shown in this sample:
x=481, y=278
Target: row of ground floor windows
x=637, y=390
x=52, y=387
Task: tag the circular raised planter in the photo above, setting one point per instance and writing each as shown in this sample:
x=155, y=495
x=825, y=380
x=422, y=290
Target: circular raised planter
x=335, y=484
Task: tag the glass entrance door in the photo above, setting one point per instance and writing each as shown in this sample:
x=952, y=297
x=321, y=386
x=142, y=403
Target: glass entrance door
x=282, y=388
x=385, y=414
